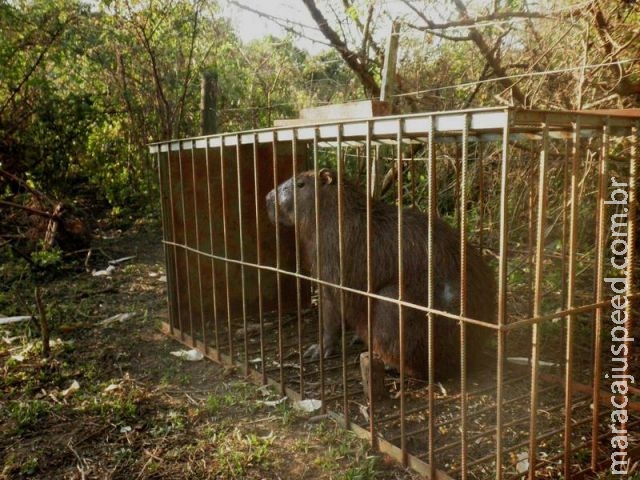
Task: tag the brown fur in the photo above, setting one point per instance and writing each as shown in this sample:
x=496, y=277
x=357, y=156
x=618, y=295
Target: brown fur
x=384, y=253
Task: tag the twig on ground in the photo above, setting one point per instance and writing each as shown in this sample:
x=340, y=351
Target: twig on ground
x=44, y=324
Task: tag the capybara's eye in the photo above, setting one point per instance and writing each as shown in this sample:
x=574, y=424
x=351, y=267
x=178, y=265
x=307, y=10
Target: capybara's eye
x=300, y=183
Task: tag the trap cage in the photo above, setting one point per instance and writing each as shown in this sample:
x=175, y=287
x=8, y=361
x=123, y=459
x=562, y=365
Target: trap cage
x=548, y=198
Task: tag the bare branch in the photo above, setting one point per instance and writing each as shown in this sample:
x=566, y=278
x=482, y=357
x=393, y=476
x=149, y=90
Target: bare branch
x=285, y=23
x=495, y=17
x=489, y=54
x=470, y=22
x=612, y=49
x=353, y=60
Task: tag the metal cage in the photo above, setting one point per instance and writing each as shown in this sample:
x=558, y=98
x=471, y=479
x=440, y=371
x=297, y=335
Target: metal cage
x=548, y=198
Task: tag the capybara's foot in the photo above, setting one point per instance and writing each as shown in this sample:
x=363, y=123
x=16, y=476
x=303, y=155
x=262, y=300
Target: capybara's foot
x=313, y=352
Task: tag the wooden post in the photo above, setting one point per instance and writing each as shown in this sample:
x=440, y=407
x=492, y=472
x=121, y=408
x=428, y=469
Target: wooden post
x=389, y=68
x=386, y=91
x=374, y=364
x=208, y=101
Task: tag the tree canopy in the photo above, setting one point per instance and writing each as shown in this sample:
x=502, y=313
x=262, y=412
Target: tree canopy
x=85, y=86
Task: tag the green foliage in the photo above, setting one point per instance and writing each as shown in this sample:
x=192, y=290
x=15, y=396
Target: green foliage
x=47, y=258
x=26, y=415
x=327, y=80
x=266, y=84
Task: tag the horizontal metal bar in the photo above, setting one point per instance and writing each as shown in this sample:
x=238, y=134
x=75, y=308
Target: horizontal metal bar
x=480, y=120
x=317, y=281
x=393, y=451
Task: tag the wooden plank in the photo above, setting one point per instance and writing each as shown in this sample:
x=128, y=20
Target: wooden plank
x=616, y=112
x=340, y=111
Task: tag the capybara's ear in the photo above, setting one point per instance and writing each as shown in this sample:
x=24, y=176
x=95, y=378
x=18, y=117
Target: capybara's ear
x=326, y=176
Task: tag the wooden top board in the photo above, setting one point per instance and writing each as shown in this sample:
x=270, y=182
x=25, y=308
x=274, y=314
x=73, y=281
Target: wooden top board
x=340, y=111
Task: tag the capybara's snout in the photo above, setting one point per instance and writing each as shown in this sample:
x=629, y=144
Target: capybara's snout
x=271, y=205
x=280, y=204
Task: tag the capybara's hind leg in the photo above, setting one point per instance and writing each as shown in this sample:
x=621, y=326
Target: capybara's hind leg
x=386, y=337
x=386, y=332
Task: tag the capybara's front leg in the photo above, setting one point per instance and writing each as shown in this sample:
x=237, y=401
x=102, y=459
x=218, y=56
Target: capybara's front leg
x=330, y=327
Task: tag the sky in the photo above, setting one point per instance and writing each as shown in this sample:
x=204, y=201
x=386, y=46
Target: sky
x=251, y=26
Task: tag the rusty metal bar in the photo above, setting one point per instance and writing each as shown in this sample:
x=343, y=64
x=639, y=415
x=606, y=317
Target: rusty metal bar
x=214, y=277
x=548, y=434
x=502, y=296
x=464, y=160
x=401, y=292
x=259, y=258
x=480, y=162
x=631, y=242
x=531, y=237
x=552, y=316
x=388, y=448
x=432, y=212
x=225, y=231
x=373, y=296
x=565, y=230
x=194, y=184
x=413, y=180
x=243, y=282
x=318, y=273
x=599, y=283
x=187, y=270
x=166, y=205
x=537, y=297
x=571, y=288
x=296, y=235
x=481, y=411
x=274, y=158
x=341, y=260
x=369, y=199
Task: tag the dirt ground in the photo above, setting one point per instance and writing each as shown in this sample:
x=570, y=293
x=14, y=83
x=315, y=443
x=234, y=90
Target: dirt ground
x=112, y=402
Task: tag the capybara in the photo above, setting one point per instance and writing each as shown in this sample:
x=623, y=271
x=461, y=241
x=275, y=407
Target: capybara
x=481, y=289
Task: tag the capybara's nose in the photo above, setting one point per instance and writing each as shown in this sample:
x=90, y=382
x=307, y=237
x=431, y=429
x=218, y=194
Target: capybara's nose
x=271, y=205
x=271, y=197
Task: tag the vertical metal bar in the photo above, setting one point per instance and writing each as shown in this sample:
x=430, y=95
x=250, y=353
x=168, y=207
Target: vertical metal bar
x=565, y=234
x=225, y=230
x=370, y=192
x=319, y=273
x=167, y=231
x=502, y=294
x=531, y=241
x=274, y=148
x=413, y=179
x=537, y=297
x=432, y=205
x=464, y=159
x=631, y=242
x=242, y=257
x=571, y=287
x=401, y=290
x=259, y=258
x=198, y=248
x=480, y=163
x=296, y=233
x=214, y=278
x=599, y=295
x=182, y=184
x=341, y=255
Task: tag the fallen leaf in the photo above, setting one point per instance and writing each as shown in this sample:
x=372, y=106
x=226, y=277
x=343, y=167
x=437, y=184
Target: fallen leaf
x=75, y=386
